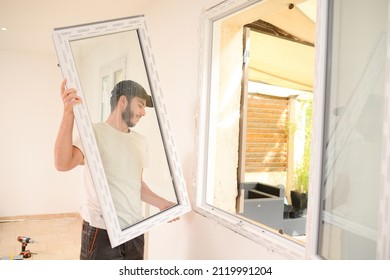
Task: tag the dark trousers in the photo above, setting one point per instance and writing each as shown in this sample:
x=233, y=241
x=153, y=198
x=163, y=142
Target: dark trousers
x=95, y=245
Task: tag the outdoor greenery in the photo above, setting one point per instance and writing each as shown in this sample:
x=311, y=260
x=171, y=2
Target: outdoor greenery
x=301, y=171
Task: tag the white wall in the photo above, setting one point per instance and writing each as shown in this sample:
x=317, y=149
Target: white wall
x=31, y=111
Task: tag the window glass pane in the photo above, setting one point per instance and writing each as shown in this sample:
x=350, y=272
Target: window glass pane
x=353, y=129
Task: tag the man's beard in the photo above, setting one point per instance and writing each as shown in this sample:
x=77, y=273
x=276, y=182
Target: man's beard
x=127, y=115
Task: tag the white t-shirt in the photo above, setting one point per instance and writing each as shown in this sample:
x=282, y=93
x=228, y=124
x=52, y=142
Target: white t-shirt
x=123, y=155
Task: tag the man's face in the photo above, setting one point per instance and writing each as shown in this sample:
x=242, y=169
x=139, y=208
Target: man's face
x=134, y=111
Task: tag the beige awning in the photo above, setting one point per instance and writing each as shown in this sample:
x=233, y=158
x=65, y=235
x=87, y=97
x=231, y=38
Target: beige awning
x=277, y=61
x=281, y=62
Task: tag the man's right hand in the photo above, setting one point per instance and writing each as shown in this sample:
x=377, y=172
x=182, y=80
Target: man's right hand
x=69, y=97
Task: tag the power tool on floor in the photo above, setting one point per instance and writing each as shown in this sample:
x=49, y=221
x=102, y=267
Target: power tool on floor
x=25, y=240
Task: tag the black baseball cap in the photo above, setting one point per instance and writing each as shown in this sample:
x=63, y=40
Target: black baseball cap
x=130, y=88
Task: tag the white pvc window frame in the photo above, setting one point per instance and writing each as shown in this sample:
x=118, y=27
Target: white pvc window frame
x=324, y=36
x=206, y=126
x=62, y=38
x=254, y=231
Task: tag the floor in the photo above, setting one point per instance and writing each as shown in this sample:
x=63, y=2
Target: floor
x=55, y=238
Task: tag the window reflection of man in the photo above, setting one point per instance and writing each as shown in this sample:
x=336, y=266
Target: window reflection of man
x=355, y=193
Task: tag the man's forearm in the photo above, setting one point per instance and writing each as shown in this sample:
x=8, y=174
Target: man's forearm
x=148, y=196
x=63, y=149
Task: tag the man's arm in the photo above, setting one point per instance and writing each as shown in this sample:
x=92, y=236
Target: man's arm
x=148, y=196
x=66, y=156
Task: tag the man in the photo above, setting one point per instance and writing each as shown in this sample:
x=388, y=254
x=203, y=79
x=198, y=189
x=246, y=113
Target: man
x=124, y=155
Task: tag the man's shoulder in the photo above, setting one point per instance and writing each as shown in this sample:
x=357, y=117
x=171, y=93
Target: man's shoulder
x=100, y=127
x=138, y=135
x=98, y=124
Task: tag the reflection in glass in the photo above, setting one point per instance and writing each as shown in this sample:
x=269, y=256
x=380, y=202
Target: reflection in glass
x=101, y=63
x=353, y=133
